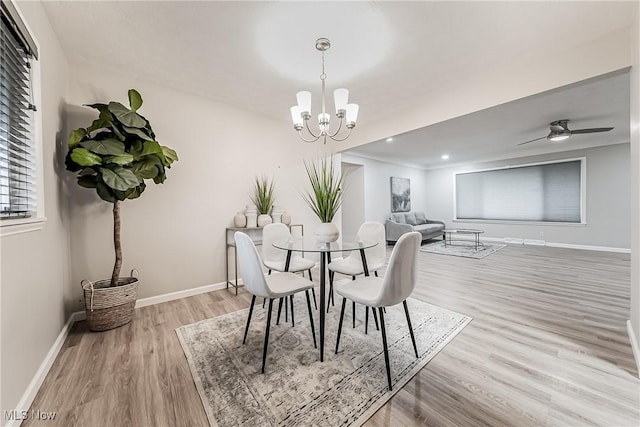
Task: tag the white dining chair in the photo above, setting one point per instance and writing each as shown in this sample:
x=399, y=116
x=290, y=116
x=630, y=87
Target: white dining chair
x=396, y=286
x=352, y=265
x=275, y=286
x=274, y=259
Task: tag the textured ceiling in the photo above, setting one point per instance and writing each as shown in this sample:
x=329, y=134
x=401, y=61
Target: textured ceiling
x=256, y=55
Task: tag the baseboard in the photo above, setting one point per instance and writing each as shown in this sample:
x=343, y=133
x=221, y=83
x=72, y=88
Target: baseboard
x=32, y=389
x=589, y=247
x=518, y=241
x=634, y=345
x=143, y=302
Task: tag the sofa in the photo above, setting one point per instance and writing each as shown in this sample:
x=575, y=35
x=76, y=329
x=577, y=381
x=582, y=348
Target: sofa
x=404, y=222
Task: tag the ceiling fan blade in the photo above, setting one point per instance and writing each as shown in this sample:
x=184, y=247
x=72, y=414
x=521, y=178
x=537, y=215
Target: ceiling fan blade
x=593, y=130
x=533, y=140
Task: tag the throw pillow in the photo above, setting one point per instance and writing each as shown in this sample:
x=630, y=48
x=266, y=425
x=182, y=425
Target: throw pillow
x=421, y=218
x=410, y=218
x=399, y=218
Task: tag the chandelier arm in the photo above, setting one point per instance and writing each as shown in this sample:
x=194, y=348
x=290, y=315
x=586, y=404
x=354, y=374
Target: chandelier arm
x=306, y=123
x=315, y=138
x=337, y=131
x=341, y=139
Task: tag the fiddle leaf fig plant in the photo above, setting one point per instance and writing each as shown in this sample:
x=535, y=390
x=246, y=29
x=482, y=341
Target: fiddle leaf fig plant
x=115, y=155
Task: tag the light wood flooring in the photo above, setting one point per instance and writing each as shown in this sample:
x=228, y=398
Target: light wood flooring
x=547, y=346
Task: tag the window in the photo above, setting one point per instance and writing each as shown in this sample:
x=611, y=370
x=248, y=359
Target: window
x=542, y=192
x=18, y=165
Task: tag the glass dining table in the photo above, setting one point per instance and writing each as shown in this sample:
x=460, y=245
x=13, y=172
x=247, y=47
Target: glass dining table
x=311, y=245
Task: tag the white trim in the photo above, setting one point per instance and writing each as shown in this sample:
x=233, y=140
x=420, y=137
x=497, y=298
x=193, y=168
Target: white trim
x=21, y=226
x=634, y=345
x=589, y=247
x=158, y=299
x=32, y=389
x=513, y=222
x=518, y=241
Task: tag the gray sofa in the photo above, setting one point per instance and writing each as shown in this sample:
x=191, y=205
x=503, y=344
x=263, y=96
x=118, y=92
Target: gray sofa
x=399, y=223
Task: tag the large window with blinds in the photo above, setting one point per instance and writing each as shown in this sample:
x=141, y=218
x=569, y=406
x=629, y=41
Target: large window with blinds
x=543, y=192
x=18, y=163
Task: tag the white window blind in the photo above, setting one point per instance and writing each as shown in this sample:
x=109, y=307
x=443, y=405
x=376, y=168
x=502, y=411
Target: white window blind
x=17, y=145
x=550, y=192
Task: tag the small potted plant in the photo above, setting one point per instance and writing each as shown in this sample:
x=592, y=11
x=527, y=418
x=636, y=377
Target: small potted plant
x=325, y=197
x=115, y=155
x=263, y=197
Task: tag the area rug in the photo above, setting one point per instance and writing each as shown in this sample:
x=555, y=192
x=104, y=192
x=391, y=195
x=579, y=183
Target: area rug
x=297, y=389
x=462, y=249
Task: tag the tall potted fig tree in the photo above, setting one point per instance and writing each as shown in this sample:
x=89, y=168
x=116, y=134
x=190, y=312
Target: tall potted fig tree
x=115, y=155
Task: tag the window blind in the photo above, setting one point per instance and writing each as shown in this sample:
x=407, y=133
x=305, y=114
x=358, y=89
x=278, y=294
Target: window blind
x=17, y=146
x=543, y=193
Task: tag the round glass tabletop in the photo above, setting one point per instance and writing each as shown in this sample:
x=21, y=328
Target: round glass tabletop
x=310, y=244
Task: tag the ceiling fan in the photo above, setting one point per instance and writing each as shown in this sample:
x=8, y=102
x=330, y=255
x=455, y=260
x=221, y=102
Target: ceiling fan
x=559, y=131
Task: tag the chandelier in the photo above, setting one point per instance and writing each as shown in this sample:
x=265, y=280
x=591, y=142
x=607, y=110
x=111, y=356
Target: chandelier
x=347, y=113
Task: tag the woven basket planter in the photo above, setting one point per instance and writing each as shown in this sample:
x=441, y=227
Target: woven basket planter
x=110, y=307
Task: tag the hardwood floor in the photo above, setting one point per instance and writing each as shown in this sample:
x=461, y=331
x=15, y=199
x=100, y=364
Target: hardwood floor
x=547, y=346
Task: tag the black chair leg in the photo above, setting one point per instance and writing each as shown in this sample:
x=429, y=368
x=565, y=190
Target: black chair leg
x=279, y=311
x=310, y=277
x=286, y=310
x=293, y=322
x=413, y=338
x=366, y=319
x=266, y=335
x=375, y=273
x=246, y=329
x=375, y=317
x=354, y=313
x=269, y=272
x=313, y=329
x=384, y=344
x=344, y=304
x=313, y=292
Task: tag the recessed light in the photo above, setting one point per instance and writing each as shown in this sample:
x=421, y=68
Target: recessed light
x=389, y=140
x=445, y=157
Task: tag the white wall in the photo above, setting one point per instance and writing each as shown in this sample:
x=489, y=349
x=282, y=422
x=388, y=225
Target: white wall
x=608, y=190
x=635, y=181
x=353, y=200
x=607, y=186
x=35, y=265
x=377, y=187
x=175, y=233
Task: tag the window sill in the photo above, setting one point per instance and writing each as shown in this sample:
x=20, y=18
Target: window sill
x=10, y=227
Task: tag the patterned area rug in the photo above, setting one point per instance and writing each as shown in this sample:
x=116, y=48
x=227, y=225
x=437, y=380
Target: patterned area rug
x=296, y=389
x=463, y=249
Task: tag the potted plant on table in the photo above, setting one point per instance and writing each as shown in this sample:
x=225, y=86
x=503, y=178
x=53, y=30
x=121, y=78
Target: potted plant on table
x=325, y=197
x=115, y=155
x=263, y=197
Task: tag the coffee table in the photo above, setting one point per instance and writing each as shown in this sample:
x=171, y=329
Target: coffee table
x=462, y=231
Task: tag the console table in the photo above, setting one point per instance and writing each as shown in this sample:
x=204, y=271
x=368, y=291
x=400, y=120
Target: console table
x=255, y=233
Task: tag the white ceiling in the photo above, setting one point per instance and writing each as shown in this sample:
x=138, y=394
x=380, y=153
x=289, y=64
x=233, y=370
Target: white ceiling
x=391, y=56
x=494, y=133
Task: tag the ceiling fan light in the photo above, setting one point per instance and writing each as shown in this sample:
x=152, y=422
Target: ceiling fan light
x=558, y=137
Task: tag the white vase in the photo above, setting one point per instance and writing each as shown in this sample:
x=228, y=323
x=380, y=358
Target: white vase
x=252, y=216
x=327, y=232
x=276, y=214
x=240, y=220
x=286, y=218
x=263, y=220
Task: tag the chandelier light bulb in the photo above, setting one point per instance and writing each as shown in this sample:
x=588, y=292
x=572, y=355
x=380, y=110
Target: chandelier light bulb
x=341, y=98
x=304, y=102
x=296, y=117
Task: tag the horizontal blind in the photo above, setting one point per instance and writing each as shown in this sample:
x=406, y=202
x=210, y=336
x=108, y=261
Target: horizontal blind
x=542, y=193
x=17, y=147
